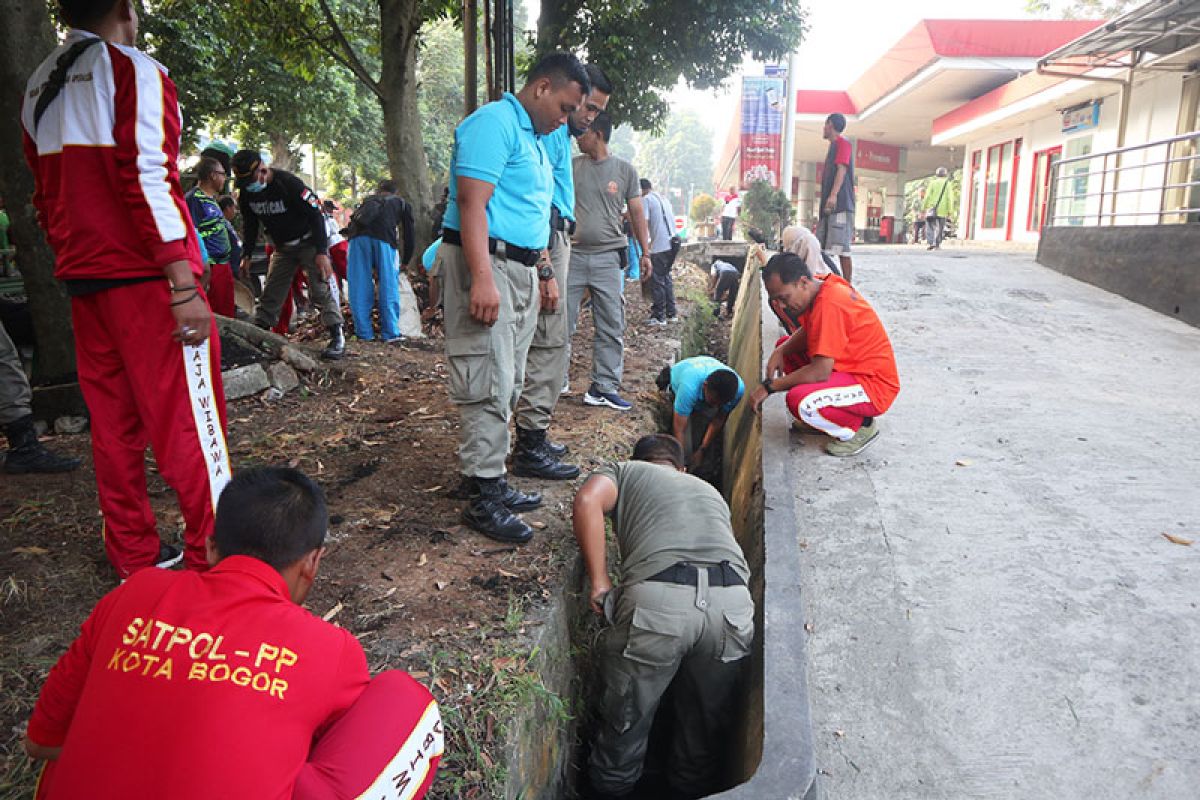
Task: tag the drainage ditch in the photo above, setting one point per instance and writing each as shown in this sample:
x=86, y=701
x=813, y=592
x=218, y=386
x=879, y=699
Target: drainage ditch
x=546, y=741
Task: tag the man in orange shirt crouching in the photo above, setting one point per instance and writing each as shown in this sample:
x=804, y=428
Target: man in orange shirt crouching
x=837, y=368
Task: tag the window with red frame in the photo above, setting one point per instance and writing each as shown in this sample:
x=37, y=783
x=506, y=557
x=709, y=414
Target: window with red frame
x=997, y=175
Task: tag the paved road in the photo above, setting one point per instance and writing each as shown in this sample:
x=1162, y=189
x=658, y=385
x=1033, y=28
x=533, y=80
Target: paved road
x=995, y=611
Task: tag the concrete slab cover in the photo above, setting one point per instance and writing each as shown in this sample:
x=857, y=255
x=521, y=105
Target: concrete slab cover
x=995, y=610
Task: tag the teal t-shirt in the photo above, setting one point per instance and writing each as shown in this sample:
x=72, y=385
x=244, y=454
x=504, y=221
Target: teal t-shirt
x=430, y=254
x=687, y=383
x=558, y=147
x=498, y=145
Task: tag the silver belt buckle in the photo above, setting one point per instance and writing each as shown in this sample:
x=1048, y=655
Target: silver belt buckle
x=501, y=249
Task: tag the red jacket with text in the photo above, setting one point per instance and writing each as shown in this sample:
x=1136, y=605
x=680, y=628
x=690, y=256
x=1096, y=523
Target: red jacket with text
x=108, y=192
x=195, y=685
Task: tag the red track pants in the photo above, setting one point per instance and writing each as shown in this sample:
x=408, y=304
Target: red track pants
x=387, y=746
x=836, y=406
x=220, y=290
x=143, y=387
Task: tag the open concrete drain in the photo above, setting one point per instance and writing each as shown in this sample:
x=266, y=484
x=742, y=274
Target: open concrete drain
x=770, y=746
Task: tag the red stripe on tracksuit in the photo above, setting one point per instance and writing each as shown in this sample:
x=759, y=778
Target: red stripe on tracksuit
x=108, y=195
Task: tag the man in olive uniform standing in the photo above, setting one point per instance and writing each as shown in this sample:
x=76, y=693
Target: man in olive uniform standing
x=496, y=225
x=682, y=615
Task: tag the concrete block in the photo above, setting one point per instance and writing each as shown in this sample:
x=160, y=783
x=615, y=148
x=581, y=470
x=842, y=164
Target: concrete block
x=70, y=424
x=298, y=358
x=282, y=376
x=244, y=381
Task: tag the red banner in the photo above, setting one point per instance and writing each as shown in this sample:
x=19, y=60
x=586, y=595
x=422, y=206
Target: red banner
x=877, y=156
x=762, y=130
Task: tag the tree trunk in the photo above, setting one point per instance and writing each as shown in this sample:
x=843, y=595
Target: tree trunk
x=25, y=39
x=400, y=21
x=281, y=151
x=553, y=18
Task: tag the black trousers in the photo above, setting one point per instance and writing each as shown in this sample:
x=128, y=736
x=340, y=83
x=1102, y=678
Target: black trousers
x=662, y=286
x=727, y=285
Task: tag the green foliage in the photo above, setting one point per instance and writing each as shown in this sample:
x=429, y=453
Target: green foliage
x=646, y=46
x=679, y=157
x=1080, y=9
x=232, y=82
x=440, y=70
x=623, y=143
x=766, y=209
x=916, y=201
x=704, y=206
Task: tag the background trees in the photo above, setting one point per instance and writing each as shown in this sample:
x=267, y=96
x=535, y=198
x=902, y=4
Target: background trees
x=646, y=46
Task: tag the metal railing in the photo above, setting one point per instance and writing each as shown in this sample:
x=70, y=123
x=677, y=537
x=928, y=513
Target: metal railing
x=1157, y=183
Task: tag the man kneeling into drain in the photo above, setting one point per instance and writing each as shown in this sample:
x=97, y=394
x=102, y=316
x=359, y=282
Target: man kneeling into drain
x=681, y=617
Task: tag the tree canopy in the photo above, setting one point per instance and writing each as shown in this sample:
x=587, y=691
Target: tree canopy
x=1080, y=9
x=681, y=156
x=646, y=46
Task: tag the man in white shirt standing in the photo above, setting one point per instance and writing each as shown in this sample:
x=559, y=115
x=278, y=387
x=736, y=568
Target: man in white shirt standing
x=729, y=214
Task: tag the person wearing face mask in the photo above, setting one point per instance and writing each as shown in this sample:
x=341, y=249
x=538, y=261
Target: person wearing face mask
x=292, y=216
x=99, y=113
x=535, y=455
x=496, y=226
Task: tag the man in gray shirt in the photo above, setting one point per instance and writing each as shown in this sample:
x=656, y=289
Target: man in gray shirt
x=659, y=218
x=604, y=185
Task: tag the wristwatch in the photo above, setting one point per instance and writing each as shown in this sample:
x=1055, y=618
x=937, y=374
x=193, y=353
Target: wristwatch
x=545, y=272
x=767, y=385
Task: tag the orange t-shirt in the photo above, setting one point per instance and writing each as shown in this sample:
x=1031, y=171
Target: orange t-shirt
x=841, y=325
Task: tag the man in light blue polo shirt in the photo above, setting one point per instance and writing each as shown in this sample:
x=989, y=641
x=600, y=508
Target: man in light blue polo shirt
x=703, y=386
x=536, y=456
x=496, y=225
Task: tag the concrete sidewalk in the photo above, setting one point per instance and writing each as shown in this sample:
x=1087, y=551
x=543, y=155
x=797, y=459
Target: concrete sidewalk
x=994, y=610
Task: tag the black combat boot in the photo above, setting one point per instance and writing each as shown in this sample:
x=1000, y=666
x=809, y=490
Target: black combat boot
x=555, y=449
x=26, y=454
x=337, y=344
x=533, y=460
x=517, y=501
x=488, y=514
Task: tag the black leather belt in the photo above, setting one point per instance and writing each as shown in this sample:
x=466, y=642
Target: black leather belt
x=560, y=223
x=522, y=255
x=686, y=574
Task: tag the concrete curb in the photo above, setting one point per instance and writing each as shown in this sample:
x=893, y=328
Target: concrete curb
x=787, y=769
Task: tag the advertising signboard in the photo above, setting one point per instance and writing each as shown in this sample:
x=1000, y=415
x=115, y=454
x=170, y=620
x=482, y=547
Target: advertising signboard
x=762, y=129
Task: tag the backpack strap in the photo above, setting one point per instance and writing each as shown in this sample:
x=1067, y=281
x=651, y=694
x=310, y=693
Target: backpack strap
x=58, y=77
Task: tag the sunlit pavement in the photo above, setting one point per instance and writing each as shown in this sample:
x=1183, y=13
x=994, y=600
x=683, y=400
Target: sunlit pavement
x=993, y=608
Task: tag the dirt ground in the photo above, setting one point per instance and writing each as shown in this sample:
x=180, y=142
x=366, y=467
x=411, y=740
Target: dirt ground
x=421, y=592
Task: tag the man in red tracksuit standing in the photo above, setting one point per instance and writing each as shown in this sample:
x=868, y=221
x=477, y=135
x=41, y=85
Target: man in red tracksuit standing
x=102, y=115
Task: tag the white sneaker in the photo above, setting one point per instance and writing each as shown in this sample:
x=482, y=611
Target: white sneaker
x=566, y=387
x=655, y=322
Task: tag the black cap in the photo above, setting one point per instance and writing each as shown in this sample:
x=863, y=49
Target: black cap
x=245, y=164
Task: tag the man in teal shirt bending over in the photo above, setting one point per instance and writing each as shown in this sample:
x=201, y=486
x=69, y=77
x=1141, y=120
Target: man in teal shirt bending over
x=701, y=385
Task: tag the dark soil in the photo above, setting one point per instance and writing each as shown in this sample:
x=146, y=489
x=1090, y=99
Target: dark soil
x=420, y=591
